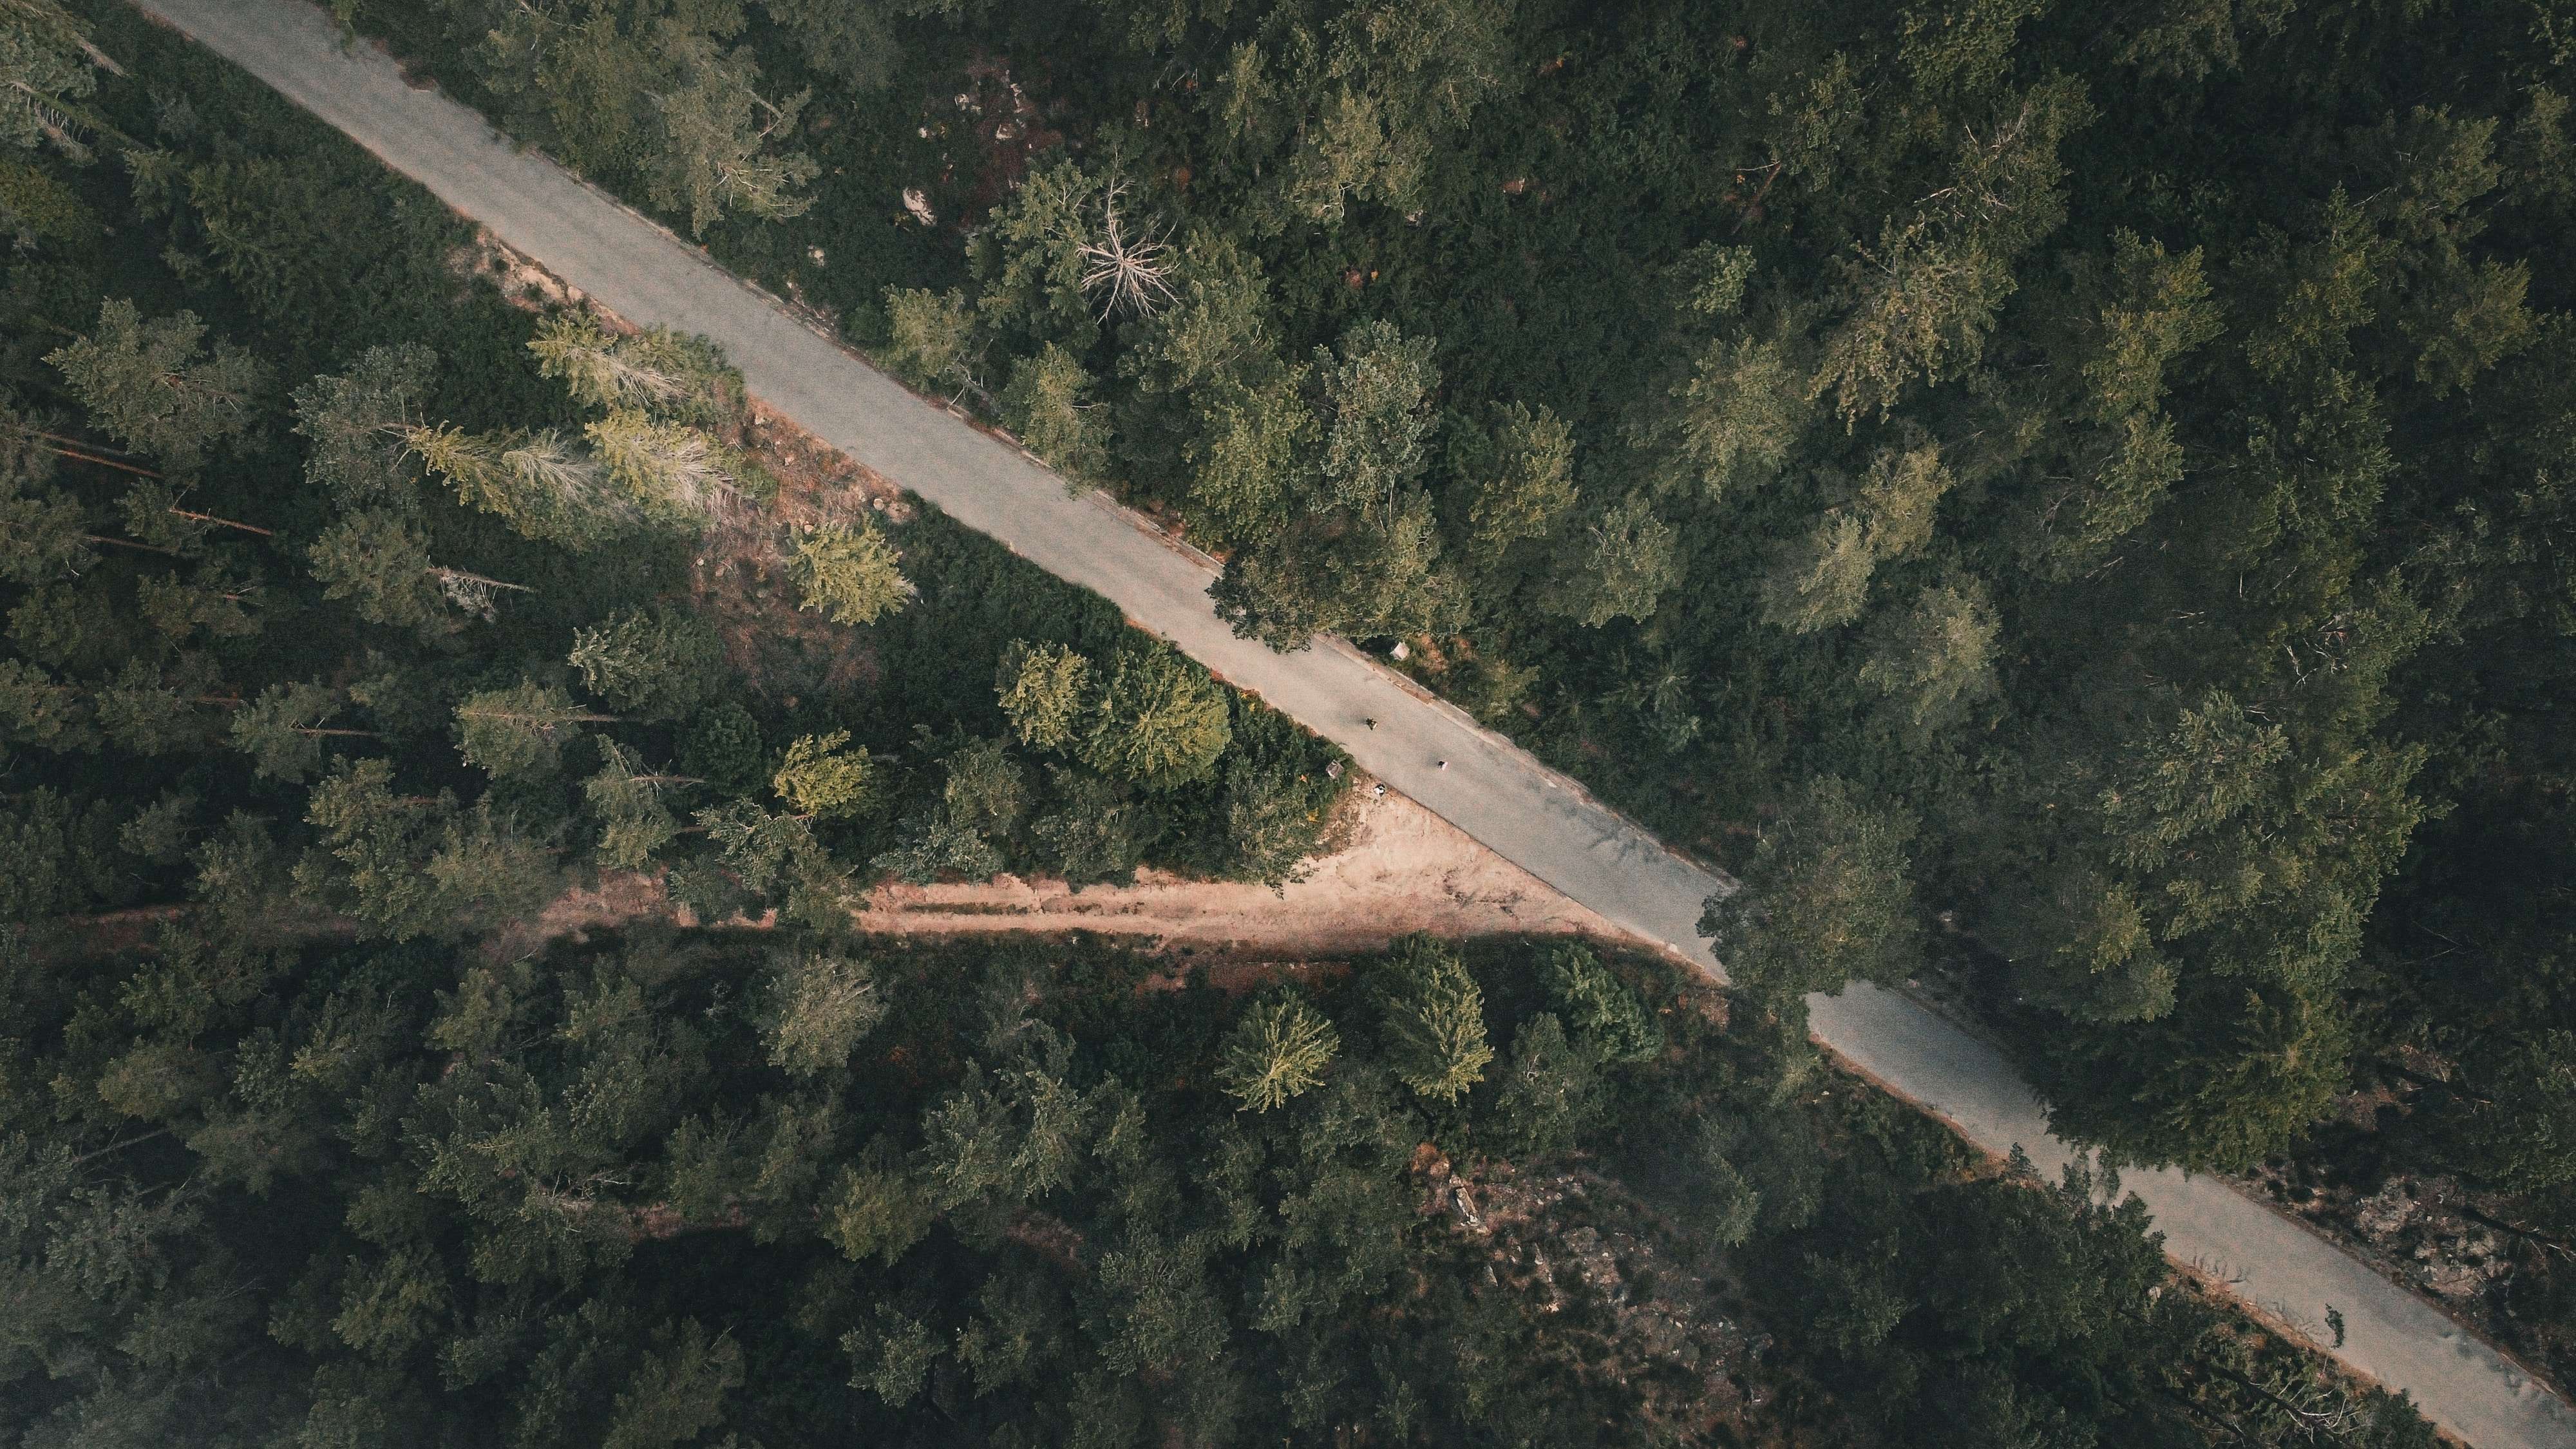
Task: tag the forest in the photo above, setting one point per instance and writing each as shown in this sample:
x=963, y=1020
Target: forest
x=2079, y=528
x=2067, y=501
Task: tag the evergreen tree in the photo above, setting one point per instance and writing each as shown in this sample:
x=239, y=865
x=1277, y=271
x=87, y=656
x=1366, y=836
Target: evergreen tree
x=931, y=339
x=151, y=386
x=282, y=730
x=1432, y=1018
x=355, y=424
x=1049, y=405
x=850, y=572
x=819, y=1005
x=1552, y=1093
x=634, y=822
x=1160, y=721
x=1609, y=1023
x=1826, y=899
x=820, y=780
x=1277, y=1050
x=1043, y=689
x=519, y=730
x=653, y=664
x=717, y=154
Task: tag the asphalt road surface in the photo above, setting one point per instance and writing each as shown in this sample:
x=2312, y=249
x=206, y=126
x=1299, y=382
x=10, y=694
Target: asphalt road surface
x=1492, y=790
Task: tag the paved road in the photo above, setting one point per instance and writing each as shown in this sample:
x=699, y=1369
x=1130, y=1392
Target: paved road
x=1491, y=790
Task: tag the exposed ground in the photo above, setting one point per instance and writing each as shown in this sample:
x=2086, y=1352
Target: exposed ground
x=1401, y=869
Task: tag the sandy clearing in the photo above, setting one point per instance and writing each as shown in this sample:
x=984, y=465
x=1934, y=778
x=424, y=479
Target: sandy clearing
x=1401, y=869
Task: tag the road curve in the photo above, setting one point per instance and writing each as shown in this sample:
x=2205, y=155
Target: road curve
x=1490, y=788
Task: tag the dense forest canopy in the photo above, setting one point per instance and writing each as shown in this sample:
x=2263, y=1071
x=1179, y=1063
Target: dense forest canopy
x=2064, y=497
x=365, y=601
x=2085, y=473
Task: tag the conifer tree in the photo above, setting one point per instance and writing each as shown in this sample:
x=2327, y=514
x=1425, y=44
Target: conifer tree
x=1043, y=689
x=151, y=386
x=820, y=780
x=819, y=1004
x=657, y=663
x=1160, y=720
x=43, y=538
x=717, y=154
x=1277, y=1050
x=1432, y=1017
x=1049, y=406
x=282, y=730
x=849, y=572
x=627, y=798
x=1603, y=1016
x=355, y=425
x=931, y=339
x=521, y=729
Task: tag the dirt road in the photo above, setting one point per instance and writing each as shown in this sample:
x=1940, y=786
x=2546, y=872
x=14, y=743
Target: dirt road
x=1491, y=790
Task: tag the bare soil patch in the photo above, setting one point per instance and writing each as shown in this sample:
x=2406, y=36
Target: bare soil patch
x=1401, y=870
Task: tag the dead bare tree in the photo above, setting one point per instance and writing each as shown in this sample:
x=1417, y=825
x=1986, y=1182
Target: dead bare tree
x=1126, y=272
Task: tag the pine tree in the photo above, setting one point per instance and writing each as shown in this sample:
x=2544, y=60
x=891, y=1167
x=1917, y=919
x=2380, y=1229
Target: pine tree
x=282, y=730
x=1552, y=1093
x=150, y=386
x=539, y=483
x=820, y=780
x=356, y=424
x=1049, y=406
x=634, y=822
x=1607, y=1020
x=676, y=475
x=653, y=664
x=50, y=63
x=1277, y=1050
x=1044, y=689
x=43, y=538
x=380, y=560
x=678, y=1392
x=1160, y=720
x=382, y=844
x=930, y=339
x=658, y=372
x=849, y=572
x=38, y=710
x=818, y=1005
x=519, y=730
x=1432, y=1018
x=717, y=154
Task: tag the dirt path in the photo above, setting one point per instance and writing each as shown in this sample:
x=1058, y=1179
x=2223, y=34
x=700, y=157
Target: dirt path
x=1401, y=869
